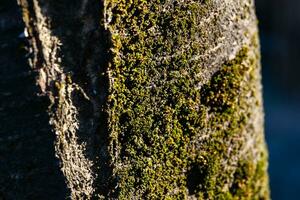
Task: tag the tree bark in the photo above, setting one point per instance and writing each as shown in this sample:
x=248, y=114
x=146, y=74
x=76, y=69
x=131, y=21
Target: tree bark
x=152, y=99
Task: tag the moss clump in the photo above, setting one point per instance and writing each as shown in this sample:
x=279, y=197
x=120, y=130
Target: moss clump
x=168, y=138
x=223, y=92
x=231, y=97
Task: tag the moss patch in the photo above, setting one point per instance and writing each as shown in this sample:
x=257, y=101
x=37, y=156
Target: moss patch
x=169, y=138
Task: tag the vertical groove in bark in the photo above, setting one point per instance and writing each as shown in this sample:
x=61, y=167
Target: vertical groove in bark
x=153, y=99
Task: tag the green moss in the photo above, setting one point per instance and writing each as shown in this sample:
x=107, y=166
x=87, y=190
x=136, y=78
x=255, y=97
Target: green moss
x=222, y=94
x=227, y=96
x=169, y=139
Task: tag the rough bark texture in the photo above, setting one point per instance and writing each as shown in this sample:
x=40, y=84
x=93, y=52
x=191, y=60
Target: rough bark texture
x=152, y=99
x=28, y=167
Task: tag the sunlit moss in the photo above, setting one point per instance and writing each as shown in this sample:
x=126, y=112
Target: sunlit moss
x=170, y=139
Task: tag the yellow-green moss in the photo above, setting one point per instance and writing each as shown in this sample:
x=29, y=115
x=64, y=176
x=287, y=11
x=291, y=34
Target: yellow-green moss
x=227, y=97
x=169, y=138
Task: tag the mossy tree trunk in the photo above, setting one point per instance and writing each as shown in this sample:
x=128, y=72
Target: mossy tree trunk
x=152, y=99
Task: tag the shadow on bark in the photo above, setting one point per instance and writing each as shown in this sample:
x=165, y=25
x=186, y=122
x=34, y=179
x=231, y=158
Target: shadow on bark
x=28, y=167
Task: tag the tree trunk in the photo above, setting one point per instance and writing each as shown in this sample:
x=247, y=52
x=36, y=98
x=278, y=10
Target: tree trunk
x=152, y=99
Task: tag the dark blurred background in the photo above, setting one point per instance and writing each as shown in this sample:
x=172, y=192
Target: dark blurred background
x=33, y=161
x=279, y=23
